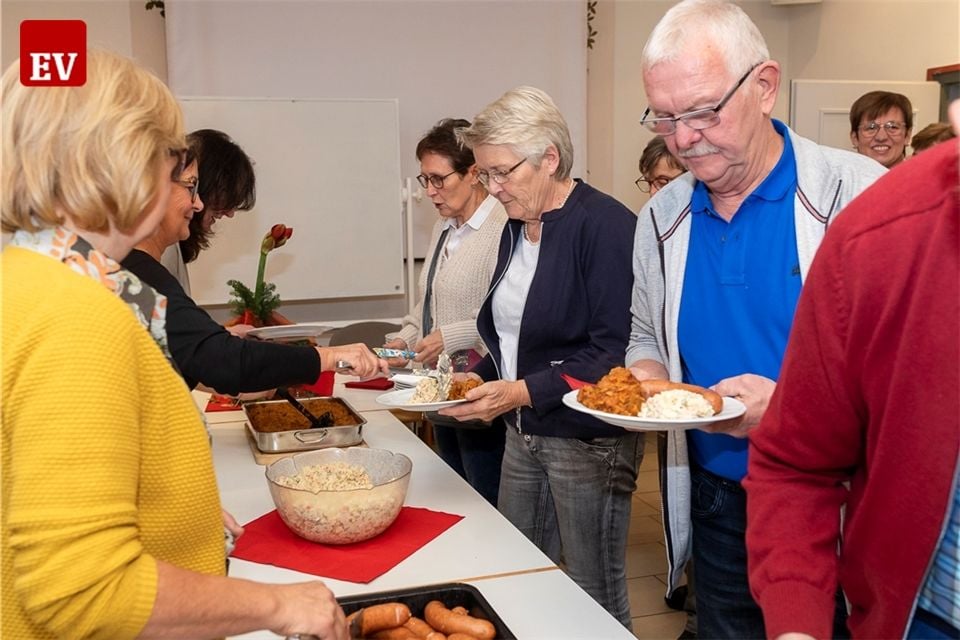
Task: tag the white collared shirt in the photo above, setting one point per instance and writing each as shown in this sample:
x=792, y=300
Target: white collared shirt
x=457, y=234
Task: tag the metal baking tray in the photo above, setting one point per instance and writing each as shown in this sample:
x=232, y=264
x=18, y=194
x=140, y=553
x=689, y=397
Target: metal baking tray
x=451, y=594
x=262, y=416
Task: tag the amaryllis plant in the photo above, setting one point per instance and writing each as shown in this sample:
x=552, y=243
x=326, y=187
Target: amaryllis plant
x=257, y=307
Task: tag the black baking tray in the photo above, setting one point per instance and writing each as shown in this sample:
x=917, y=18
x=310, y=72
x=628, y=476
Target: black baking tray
x=451, y=594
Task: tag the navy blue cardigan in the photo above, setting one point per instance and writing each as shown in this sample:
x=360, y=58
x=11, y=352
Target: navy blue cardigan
x=576, y=320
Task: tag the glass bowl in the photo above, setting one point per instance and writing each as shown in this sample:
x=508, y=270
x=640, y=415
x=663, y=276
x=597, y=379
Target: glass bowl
x=341, y=516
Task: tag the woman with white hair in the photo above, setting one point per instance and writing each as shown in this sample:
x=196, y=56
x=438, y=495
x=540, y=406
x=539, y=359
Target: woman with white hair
x=559, y=305
x=111, y=521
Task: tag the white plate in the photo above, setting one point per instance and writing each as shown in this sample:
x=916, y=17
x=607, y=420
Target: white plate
x=731, y=409
x=406, y=379
x=400, y=399
x=289, y=331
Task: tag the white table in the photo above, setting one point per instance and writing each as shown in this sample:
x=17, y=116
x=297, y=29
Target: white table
x=483, y=548
x=548, y=605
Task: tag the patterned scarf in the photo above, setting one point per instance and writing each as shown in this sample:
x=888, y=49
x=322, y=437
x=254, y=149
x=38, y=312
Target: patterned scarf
x=148, y=306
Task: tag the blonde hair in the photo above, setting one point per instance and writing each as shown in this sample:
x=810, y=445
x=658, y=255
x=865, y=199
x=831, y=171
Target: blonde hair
x=700, y=22
x=527, y=120
x=92, y=152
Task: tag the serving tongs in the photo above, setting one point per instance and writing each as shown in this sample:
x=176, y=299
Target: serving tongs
x=322, y=422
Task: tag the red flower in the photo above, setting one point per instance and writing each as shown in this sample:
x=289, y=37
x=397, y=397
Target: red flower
x=276, y=237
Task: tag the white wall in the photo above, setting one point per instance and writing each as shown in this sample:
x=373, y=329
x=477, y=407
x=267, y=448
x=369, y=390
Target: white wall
x=836, y=39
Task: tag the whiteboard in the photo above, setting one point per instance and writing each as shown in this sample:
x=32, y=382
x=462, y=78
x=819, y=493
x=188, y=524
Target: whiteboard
x=328, y=168
x=820, y=109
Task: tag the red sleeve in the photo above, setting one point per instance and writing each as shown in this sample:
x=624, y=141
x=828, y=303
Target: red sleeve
x=803, y=450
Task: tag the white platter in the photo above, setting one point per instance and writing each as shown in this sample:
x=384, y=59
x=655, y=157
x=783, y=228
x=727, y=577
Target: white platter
x=289, y=331
x=400, y=399
x=732, y=408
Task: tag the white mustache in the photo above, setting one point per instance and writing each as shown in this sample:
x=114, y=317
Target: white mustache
x=702, y=148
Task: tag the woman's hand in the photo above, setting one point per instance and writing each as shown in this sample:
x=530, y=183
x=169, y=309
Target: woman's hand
x=231, y=524
x=239, y=330
x=309, y=608
x=397, y=343
x=490, y=400
x=363, y=361
x=755, y=392
x=429, y=349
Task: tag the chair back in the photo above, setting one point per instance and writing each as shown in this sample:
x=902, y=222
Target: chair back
x=369, y=333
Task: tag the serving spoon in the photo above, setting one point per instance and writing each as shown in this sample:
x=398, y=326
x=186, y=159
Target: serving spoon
x=324, y=421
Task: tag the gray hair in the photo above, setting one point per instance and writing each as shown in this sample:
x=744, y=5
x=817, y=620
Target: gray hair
x=719, y=22
x=527, y=120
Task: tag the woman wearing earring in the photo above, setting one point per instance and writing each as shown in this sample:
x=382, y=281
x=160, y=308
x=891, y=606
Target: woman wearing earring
x=559, y=306
x=454, y=280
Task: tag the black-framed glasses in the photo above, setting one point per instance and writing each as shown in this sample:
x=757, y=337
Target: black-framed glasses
x=893, y=129
x=699, y=119
x=647, y=186
x=436, y=181
x=191, y=186
x=500, y=177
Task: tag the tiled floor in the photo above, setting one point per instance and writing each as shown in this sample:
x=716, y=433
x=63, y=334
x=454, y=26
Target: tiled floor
x=646, y=558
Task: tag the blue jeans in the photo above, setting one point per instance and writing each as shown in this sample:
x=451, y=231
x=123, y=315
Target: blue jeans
x=725, y=608
x=475, y=454
x=572, y=498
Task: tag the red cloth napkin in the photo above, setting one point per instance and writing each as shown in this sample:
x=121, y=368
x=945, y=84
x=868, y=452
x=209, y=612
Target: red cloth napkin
x=574, y=382
x=223, y=403
x=267, y=540
x=374, y=383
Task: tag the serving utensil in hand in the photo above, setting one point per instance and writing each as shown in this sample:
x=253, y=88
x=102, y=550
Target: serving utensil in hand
x=394, y=353
x=322, y=422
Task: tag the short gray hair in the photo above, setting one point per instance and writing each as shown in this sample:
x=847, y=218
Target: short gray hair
x=526, y=119
x=719, y=22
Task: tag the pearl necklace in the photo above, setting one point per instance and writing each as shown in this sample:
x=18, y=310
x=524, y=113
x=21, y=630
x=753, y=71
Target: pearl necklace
x=573, y=183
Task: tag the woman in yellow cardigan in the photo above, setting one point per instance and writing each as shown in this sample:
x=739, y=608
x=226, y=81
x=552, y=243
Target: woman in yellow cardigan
x=111, y=520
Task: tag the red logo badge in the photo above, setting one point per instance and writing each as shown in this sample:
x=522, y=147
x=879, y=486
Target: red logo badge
x=53, y=53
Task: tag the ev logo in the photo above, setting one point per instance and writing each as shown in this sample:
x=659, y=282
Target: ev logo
x=53, y=53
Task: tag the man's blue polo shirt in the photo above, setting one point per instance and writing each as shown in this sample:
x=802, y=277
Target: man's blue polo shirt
x=740, y=291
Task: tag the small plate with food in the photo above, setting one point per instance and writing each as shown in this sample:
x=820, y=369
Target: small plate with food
x=652, y=405
x=404, y=399
x=428, y=395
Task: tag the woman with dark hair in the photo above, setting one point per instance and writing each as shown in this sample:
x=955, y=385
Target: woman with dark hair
x=880, y=126
x=227, y=185
x=453, y=282
x=204, y=351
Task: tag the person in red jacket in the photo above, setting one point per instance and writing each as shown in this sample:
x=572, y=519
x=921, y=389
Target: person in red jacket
x=867, y=415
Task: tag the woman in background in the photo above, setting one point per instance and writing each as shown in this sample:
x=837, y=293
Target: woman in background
x=880, y=125
x=204, y=351
x=227, y=184
x=933, y=133
x=658, y=167
x=559, y=305
x=453, y=282
x=111, y=520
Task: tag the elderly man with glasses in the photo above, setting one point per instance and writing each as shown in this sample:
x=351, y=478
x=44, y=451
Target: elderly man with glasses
x=719, y=258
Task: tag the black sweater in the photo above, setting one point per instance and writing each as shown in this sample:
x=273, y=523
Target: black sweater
x=207, y=353
x=576, y=319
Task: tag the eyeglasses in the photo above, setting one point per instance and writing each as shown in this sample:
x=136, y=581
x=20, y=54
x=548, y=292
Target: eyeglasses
x=647, y=186
x=497, y=176
x=191, y=188
x=436, y=181
x=698, y=119
x=893, y=129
